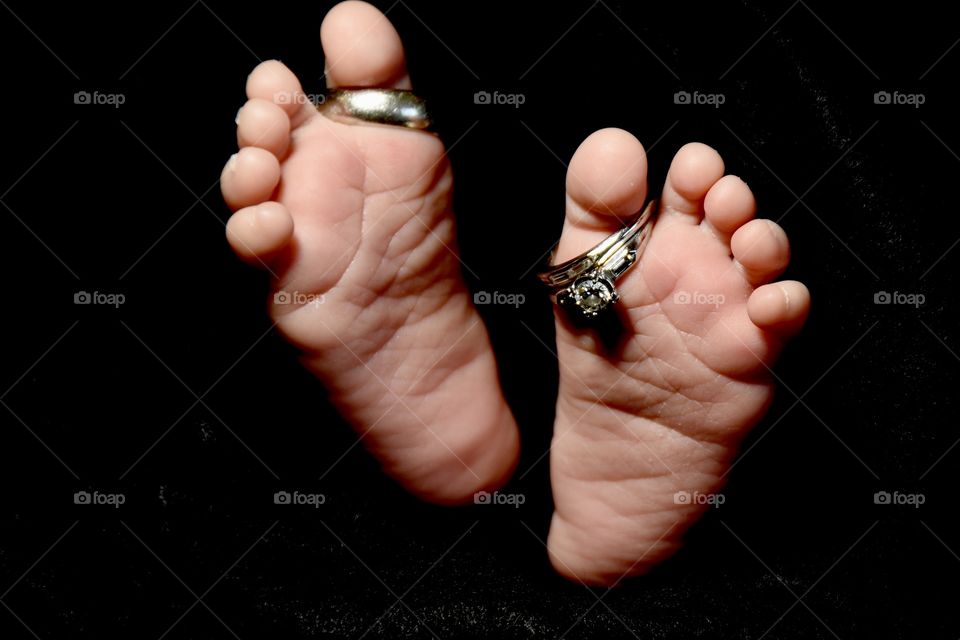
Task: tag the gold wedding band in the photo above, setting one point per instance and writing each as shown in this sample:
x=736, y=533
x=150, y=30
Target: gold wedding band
x=395, y=107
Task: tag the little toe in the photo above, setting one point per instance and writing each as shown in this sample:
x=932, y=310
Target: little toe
x=258, y=232
x=263, y=124
x=761, y=248
x=780, y=307
x=694, y=170
x=249, y=177
x=362, y=48
x=728, y=206
x=606, y=186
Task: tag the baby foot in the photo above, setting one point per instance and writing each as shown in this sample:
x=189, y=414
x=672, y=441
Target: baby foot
x=659, y=412
x=354, y=223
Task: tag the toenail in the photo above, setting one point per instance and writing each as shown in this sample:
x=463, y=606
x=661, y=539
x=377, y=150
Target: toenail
x=236, y=118
x=775, y=232
x=232, y=163
x=786, y=296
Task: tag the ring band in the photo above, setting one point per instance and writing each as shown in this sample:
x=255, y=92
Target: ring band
x=394, y=107
x=586, y=284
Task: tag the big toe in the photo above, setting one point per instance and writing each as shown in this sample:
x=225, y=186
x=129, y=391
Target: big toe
x=362, y=48
x=606, y=185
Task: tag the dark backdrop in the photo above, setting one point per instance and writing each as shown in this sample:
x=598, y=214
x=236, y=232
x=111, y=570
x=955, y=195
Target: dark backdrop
x=182, y=400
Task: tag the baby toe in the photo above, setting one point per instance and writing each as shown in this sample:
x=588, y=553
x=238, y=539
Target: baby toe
x=249, y=177
x=694, y=170
x=762, y=250
x=263, y=124
x=781, y=307
x=256, y=233
x=728, y=206
x=274, y=82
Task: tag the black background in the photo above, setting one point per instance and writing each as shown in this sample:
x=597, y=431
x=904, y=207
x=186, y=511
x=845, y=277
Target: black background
x=184, y=401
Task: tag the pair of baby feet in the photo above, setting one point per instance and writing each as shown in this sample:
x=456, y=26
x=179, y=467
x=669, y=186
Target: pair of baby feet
x=354, y=223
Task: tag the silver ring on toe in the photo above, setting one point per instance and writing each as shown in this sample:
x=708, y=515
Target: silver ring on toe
x=585, y=285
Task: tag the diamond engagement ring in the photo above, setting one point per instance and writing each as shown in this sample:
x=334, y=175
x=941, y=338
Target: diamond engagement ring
x=381, y=106
x=585, y=285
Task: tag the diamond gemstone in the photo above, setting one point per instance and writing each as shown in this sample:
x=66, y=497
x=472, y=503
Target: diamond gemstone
x=592, y=295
